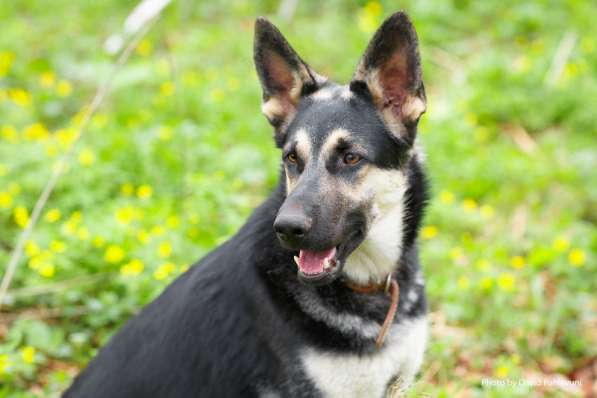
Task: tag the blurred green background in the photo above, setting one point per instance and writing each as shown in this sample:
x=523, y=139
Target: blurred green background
x=179, y=154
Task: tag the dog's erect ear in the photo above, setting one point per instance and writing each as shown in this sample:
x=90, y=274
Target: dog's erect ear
x=391, y=71
x=283, y=74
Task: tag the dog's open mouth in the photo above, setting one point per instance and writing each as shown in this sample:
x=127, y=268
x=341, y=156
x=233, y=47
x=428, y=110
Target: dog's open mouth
x=313, y=264
x=322, y=267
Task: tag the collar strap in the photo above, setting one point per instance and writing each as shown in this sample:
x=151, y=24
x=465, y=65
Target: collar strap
x=390, y=286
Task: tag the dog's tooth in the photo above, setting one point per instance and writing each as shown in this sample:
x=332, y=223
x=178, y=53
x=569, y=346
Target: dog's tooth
x=296, y=260
x=326, y=264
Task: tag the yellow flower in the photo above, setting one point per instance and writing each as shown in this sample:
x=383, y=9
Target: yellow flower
x=429, y=232
x=482, y=264
x=172, y=222
x=125, y=215
x=64, y=88
x=31, y=248
x=506, y=281
x=127, y=189
x=28, y=354
x=165, y=249
x=561, y=243
x=36, y=131
x=5, y=200
x=40, y=260
x=143, y=236
x=144, y=48
x=486, y=283
x=57, y=246
x=21, y=216
x=163, y=271
x=144, y=192
x=6, y=59
x=98, y=241
x=486, y=211
x=66, y=137
x=83, y=233
x=446, y=197
x=369, y=15
x=184, y=268
x=47, y=79
x=52, y=215
x=167, y=88
x=577, y=257
x=47, y=270
x=4, y=363
x=9, y=133
x=165, y=133
x=132, y=268
x=517, y=262
x=86, y=157
x=158, y=230
x=469, y=205
x=502, y=371
x=463, y=283
x=114, y=254
x=70, y=226
x=20, y=97
x=456, y=253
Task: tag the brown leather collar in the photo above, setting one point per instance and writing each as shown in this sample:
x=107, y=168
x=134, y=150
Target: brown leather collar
x=389, y=286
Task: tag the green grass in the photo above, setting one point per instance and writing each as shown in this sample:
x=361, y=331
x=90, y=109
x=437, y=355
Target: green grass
x=179, y=154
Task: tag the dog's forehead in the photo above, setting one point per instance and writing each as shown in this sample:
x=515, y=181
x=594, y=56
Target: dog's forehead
x=335, y=108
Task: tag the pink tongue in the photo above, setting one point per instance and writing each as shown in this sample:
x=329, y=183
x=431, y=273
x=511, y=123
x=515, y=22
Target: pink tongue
x=311, y=262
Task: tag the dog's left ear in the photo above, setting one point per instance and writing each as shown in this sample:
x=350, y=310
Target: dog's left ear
x=391, y=71
x=284, y=76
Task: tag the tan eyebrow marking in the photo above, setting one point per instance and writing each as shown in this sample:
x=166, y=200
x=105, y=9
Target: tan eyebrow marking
x=332, y=140
x=303, y=144
x=303, y=150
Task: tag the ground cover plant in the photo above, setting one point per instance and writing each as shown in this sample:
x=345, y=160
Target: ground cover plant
x=179, y=154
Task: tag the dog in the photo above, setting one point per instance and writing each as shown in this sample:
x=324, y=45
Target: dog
x=320, y=293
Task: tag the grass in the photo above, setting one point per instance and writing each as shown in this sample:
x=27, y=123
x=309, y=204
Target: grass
x=179, y=154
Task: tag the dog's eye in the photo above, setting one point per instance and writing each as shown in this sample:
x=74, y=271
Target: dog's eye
x=291, y=157
x=351, y=158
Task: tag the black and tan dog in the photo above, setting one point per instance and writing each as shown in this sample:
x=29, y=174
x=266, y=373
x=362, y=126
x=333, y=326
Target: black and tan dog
x=293, y=305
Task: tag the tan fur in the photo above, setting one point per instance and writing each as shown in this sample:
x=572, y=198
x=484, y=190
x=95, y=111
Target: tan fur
x=378, y=254
x=303, y=150
x=325, y=94
x=331, y=141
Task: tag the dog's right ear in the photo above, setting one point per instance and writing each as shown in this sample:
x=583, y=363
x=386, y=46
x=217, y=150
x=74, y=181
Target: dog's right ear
x=284, y=76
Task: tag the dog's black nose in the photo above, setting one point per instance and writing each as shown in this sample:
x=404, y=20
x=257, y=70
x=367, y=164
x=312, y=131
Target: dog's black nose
x=292, y=228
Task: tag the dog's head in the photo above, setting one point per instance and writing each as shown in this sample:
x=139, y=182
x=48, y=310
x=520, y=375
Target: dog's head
x=345, y=148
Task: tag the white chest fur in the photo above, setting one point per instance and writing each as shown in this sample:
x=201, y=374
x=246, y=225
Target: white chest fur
x=367, y=376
